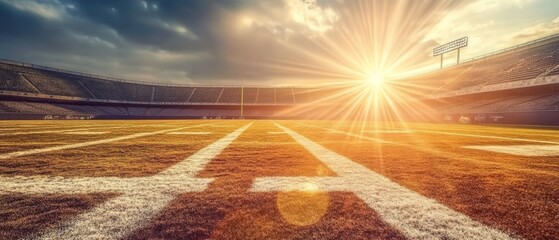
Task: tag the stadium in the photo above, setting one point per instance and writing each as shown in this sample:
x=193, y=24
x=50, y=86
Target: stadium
x=467, y=150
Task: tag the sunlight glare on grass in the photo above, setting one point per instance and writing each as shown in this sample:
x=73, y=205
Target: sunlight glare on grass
x=303, y=208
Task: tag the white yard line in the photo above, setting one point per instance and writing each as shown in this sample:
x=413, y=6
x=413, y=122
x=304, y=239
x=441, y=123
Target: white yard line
x=439, y=152
x=85, y=144
x=113, y=219
x=142, y=199
x=522, y=150
x=198, y=161
x=83, y=185
x=414, y=215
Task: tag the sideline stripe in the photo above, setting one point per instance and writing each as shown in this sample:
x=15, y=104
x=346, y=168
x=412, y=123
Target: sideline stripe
x=416, y=216
x=119, y=216
x=85, y=144
x=522, y=150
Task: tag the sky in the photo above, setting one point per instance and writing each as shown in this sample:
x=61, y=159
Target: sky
x=262, y=42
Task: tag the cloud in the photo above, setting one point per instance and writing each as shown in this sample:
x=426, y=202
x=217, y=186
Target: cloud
x=535, y=32
x=245, y=41
x=49, y=10
x=311, y=15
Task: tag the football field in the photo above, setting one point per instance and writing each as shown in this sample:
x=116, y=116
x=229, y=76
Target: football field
x=264, y=179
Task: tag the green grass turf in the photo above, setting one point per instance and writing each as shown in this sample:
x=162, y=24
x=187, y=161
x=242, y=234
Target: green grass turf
x=512, y=193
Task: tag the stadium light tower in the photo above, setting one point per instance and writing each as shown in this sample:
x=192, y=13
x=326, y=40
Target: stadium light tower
x=449, y=47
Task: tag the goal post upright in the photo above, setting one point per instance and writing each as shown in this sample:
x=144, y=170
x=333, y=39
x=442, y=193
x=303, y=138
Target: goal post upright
x=242, y=100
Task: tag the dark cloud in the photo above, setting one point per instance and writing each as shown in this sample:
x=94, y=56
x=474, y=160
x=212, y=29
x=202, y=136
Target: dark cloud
x=218, y=41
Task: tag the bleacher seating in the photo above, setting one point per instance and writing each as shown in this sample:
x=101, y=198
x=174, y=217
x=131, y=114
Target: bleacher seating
x=136, y=92
x=6, y=109
x=36, y=108
x=172, y=94
x=266, y=96
x=513, y=103
x=138, y=99
x=12, y=81
x=231, y=95
x=519, y=64
x=332, y=95
x=104, y=89
x=249, y=95
x=57, y=86
x=205, y=95
x=301, y=95
x=28, y=79
x=284, y=96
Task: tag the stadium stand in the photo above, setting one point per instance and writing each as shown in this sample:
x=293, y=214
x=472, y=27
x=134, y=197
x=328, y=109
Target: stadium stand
x=172, y=94
x=53, y=85
x=136, y=92
x=514, y=103
x=284, y=96
x=104, y=89
x=301, y=95
x=520, y=79
x=517, y=64
x=35, y=107
x=13, y=81
x=205, y=95
x=6, y=109
x=250, y=95
x=266, y=96
x=231, y=95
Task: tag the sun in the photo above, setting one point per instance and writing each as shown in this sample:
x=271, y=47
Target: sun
x=247, y=21
x=375, y=79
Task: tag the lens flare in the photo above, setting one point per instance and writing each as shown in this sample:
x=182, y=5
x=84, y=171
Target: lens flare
x=358, y=62
x=303, y=208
